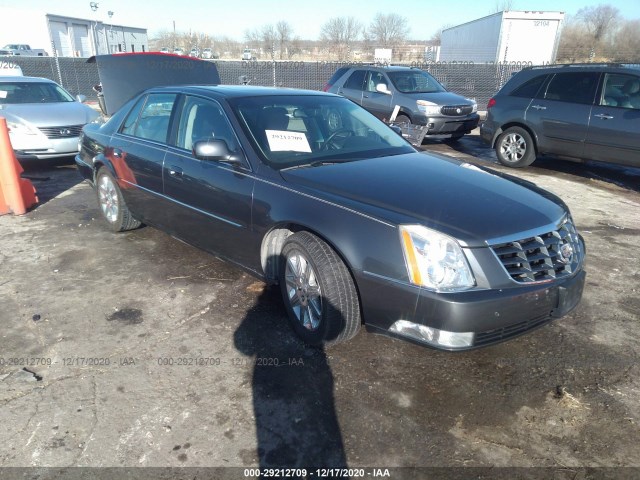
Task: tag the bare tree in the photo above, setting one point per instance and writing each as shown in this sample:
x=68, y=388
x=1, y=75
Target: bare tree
x=252, y=37
x=502, y=5
x=436, y=38
x=388, y=30
x=339, y=34
x=627, y=42
x=284, y=31
x=600, y=20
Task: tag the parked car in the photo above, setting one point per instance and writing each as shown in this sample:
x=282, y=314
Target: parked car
x=421, y=98
x=247, y=54
x=580, y=111
x=165, y=50
x=195, y=53
x=209, y=53
x=44, y=119
x=312, y=192
x=24, y=50
x=178, y=51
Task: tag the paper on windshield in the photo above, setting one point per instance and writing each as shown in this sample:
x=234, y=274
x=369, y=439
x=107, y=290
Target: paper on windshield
x=3, y=94
x=284, y=141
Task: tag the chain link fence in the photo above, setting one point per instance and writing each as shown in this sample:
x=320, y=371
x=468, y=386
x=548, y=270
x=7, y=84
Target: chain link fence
x=478, y=81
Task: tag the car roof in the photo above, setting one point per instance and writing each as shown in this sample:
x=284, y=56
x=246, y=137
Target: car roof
x=239, y=91
x=578, y=67
x=18, y=78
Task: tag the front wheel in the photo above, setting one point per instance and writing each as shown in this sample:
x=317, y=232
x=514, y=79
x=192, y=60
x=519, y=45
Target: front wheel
x=112, y=205
x=318, y=291
x=515, y=148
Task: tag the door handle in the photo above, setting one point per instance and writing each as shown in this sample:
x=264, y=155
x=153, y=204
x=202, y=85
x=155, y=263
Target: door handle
x=175, y=171
x=604, y=116
x=117, y=153
x=538, y=107
x=365, y=96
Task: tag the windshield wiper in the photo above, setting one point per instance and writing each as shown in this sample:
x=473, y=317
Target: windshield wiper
x=317, y=163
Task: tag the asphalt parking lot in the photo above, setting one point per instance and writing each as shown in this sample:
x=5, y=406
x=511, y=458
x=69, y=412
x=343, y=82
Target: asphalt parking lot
x=136, y=349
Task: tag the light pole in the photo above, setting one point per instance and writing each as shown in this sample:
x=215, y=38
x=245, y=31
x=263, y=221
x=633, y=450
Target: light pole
x=94, y=8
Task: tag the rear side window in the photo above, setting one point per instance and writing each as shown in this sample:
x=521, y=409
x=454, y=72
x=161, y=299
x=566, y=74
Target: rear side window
x=334, y=78
x=356, y=80
x=153, y=121
x=621, y=90
x=575, y=87
x=530, y=88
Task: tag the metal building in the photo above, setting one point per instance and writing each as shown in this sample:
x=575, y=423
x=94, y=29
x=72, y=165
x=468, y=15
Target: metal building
x=66, y=36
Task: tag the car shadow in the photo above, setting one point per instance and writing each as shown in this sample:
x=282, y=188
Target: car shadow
x=50, y=179
x=622, y=176
x=292, y=386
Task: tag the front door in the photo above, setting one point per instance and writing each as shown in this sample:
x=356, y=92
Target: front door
x=377, y=103
x=211, y=200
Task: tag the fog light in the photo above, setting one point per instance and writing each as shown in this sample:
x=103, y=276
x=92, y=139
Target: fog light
x=430, y=125
x=432, y=336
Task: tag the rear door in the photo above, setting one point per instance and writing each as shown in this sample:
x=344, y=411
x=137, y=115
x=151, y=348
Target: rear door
x=560, y=113
x=210, y=200
x=353, y=86
x=614, y=130
x=137, y=154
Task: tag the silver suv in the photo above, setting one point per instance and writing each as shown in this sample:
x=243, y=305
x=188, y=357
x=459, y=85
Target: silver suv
x=581, y=111
x=419, y=96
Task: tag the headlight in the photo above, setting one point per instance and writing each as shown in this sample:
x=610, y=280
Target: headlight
x=21, y=128
x=428, y=108
x=434, y=261
x=474, y=104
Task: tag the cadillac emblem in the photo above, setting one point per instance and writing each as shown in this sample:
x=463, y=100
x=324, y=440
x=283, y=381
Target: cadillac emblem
x=565, y=254
x=65, y=131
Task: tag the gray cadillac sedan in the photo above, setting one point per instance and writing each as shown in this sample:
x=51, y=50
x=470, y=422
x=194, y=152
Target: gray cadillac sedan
x=310, y=191
x=44, y=119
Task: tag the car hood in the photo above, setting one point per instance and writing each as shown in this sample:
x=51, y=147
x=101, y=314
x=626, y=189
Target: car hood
x=122, y=76
x=50, y=114
x=473, y=205
x=441, y=98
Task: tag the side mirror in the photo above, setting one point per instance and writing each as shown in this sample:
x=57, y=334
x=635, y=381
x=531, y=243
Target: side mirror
x=217, y=150
x=382, y=88
x=81, y=98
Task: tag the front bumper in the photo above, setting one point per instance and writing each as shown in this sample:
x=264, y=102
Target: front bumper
x=42, y=148
x=492, y=316
x=448, y=125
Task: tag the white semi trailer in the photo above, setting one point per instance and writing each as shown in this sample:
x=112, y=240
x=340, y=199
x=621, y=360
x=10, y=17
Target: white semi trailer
x=526, y=37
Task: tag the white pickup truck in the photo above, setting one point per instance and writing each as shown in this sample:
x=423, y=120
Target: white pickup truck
x=24, y=50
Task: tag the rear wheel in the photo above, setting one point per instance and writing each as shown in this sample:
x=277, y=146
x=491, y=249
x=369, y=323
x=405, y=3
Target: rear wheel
x=318, y=291
x=515, y=148
x=112, y=205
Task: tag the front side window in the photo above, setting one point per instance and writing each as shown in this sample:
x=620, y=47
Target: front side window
x=32, y=92
x=304, y=130
x=203, y=120
x=373, y=79
x=415, y=81
x=621, y=90
x=574, y=87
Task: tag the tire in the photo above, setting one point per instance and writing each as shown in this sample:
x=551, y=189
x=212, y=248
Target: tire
x=515, y=148
x=112, y=205
x=319, y=294
x=402, y=118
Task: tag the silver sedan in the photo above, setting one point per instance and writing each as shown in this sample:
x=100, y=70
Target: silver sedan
x=44, y=119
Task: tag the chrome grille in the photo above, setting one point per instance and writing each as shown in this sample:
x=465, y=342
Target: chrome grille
x=456, y=110
x=550, y=256
x=62, y=132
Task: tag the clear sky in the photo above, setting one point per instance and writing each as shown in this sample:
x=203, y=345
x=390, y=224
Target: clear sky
x=232, y=19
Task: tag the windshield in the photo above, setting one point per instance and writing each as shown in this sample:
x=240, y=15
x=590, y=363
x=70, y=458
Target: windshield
x=32, y=92
x=301, y=130
x=415, y=81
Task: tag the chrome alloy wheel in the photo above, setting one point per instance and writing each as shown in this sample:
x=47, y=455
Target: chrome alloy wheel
x=108, y=198
x=513, y=147
x=303, y=291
